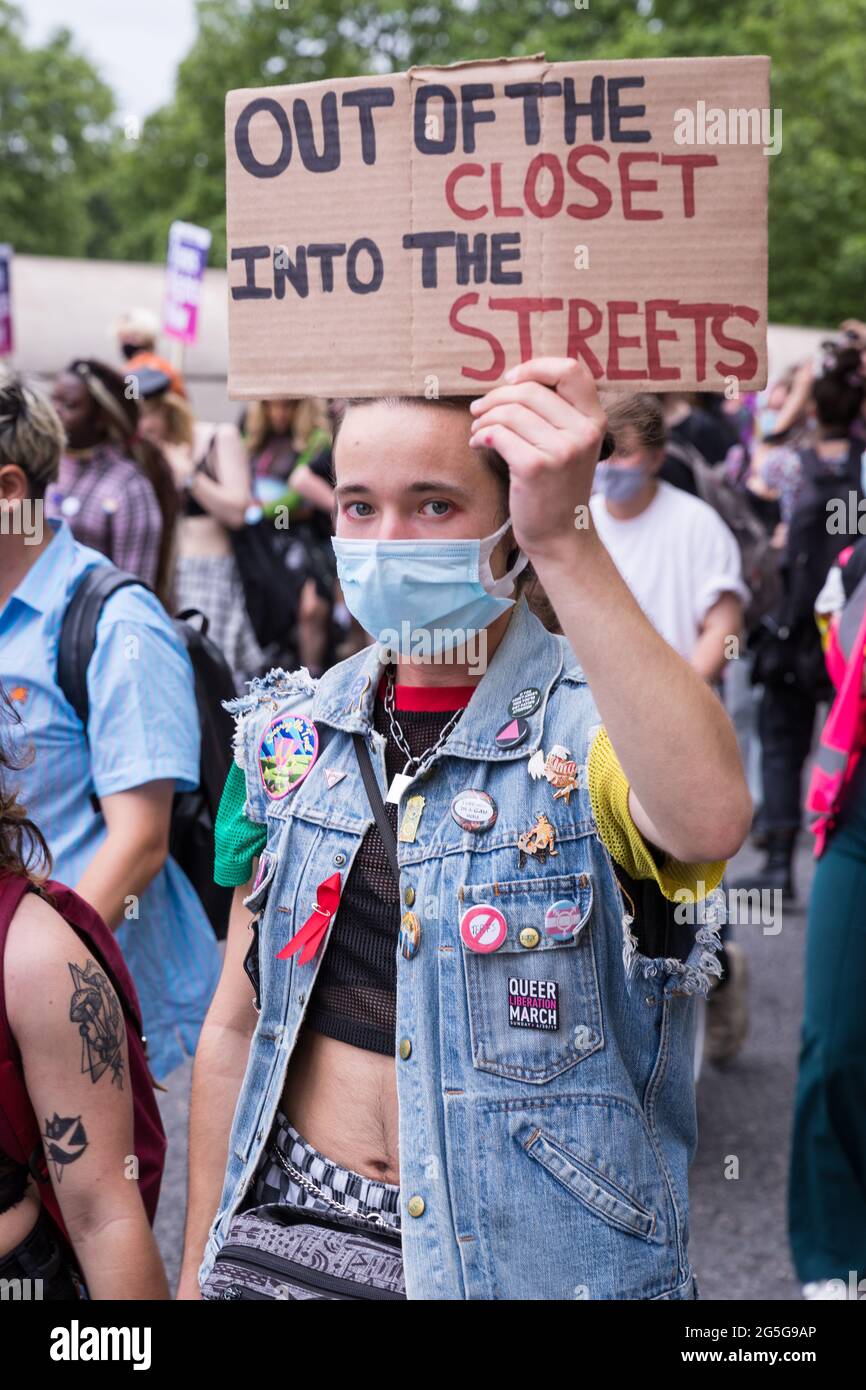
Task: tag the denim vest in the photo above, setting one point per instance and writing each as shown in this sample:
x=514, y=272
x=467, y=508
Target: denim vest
x=551, y=1161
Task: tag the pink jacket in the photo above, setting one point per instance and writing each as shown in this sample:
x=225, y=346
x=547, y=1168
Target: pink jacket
x=844, y=733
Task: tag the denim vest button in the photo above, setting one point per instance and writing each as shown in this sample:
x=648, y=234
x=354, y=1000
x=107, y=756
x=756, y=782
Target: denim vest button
x=339, y=859
x=409, y=896
x=415, y=1206
x=405, y=1048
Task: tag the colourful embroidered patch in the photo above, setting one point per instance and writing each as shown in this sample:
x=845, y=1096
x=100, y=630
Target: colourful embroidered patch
x=287, y=752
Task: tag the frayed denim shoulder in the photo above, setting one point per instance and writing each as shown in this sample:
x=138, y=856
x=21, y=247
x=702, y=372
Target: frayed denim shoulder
x=692, y=976
x=271, y=693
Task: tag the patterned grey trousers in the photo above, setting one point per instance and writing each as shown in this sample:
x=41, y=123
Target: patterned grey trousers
x=340, y=1253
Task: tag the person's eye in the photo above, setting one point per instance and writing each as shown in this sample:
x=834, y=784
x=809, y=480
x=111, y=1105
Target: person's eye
x=439, y=505
x=358, y=515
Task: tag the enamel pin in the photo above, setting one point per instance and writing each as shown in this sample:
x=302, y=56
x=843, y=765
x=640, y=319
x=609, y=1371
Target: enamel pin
x=287, y=752
x=538, y=841
x=558, y=767
x=264, y=864
x=356, y=695
x=333, y=775
x=411, y=820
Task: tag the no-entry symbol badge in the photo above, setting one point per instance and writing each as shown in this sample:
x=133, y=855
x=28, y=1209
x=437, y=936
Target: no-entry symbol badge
x=483, y=928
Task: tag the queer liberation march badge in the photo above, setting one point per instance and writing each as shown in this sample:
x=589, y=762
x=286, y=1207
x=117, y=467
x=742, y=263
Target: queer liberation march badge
x=287, y=752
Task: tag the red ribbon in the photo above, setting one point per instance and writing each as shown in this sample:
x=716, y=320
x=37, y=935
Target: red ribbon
x=309, y=937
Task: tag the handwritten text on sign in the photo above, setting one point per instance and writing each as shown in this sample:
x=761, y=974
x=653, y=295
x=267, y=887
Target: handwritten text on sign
x=446, y=223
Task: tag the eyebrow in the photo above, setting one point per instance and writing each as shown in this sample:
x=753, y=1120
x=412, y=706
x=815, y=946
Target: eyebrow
x=433, y=485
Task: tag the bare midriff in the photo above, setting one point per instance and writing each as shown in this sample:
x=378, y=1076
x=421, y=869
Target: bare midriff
x=343, y=1101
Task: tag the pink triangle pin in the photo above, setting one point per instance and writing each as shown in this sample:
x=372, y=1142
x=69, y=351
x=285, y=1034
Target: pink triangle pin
x=333, y=776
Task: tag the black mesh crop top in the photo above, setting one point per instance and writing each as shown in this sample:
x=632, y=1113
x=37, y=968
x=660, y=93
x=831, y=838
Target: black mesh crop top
x=354, y=997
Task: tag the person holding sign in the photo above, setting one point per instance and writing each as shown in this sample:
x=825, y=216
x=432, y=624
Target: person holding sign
x=466, y=1072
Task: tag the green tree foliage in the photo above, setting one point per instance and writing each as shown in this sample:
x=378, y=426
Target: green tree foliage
x=55, y=141
x=130, y=190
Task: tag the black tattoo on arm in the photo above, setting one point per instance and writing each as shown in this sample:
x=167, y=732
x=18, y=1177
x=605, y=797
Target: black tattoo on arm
x=65, y=1141
x=95, y=1009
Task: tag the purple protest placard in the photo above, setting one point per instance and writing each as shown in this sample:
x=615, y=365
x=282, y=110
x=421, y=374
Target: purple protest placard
x=6, y=338
x=188, y=248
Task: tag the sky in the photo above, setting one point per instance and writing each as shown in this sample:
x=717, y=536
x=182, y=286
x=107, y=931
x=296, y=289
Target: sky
x=136, y=47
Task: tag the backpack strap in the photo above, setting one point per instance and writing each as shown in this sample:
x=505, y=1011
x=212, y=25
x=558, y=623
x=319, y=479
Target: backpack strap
x=78, y=631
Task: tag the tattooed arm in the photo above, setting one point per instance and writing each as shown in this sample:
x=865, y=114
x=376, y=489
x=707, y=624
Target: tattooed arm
x=69, y=1027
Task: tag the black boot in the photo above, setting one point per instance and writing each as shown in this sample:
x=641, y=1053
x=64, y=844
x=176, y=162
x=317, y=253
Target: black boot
x=778, y=870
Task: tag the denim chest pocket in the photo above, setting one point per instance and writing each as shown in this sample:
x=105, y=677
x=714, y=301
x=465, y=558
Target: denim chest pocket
x=534, y=1002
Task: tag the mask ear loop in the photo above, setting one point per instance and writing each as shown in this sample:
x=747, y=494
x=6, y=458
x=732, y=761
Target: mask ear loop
x=504, y=587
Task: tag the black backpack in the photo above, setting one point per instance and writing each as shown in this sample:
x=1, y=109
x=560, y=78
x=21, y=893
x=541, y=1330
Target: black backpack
x=193, y=816
x=787, y=645
x=758, y=559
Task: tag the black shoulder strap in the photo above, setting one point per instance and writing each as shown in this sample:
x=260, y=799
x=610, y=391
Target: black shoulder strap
x=204, y=461
x=377, y=805
x=78, y=631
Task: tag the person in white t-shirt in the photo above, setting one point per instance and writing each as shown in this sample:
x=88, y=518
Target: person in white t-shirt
x=674, y=552
x=682, y=564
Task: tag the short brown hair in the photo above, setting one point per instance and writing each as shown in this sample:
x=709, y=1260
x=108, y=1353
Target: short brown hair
x=641, y=413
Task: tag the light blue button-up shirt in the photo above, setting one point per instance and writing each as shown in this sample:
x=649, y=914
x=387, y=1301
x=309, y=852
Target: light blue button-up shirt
x=143, y=725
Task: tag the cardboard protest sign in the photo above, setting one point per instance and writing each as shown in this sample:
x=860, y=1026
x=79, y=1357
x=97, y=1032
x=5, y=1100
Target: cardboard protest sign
x=188, y=247
x=420, y=233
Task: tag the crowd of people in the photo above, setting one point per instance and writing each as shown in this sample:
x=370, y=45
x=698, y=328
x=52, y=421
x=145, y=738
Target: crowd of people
x=363, y=1115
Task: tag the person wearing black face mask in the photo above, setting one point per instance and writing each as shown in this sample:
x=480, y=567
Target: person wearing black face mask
x=137, y=331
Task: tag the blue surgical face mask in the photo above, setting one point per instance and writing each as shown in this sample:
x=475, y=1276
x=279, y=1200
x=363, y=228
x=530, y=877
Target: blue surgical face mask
x=443, y=589
x=619, y=484
x=767, y=418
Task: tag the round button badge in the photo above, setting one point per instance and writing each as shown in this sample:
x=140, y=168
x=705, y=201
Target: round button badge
x=512, y=734
x=562, y=918
x=410, y=934
x=525, y=702
x=474, y=810
x=483, y=928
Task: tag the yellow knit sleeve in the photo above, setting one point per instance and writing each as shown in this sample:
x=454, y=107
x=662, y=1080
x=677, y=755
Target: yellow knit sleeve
x=824, y=621
x=608, y=793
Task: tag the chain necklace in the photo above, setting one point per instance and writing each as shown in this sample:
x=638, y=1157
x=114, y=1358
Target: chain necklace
x=402, y=779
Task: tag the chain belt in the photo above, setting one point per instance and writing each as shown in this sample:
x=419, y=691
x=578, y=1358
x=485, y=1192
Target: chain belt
x=375, y=1218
